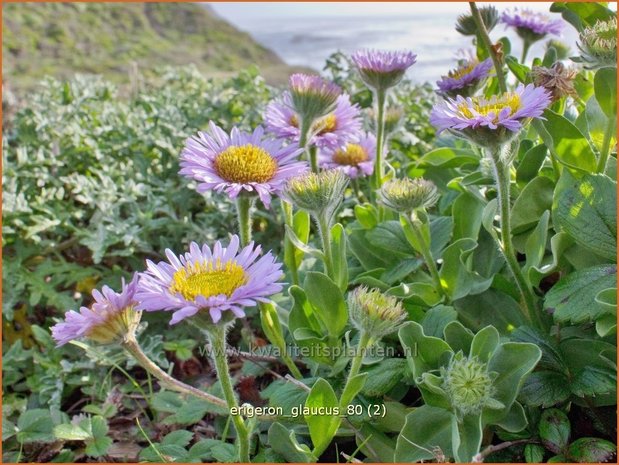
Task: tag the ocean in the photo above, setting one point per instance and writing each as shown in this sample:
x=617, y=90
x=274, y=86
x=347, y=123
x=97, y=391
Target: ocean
x=306, y=34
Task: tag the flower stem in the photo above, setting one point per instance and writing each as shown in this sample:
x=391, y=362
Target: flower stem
x=526, y=45
x=313, y=156
x=243, y=211
x=130, y=344
x=485, y=38
x=502, y=179
x=605, y=151
x=377, y=177
x=324, y=230
x=426, y=253
x=289, y=248
x=217, y=338
x=357, y=360
x=305, y=127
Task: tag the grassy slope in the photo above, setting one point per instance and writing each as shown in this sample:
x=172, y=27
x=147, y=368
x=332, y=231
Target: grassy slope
x=60, y=39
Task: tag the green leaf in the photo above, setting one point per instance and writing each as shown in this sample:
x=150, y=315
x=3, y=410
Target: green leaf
x=284, y=442
x=605, y=86
x=535, y=247
x=427, y=430
x=456, y=273
x=582, y=14
x=180, y=438
x=423, y=353
x=470, y=435
x=447, y=157
x=554, y=430
x=515, y=420
x=513, y=361
x=375, y=444
x=71, y=432
x=567, y=142
x=477, y=311
x=328, y=302
x=485, y=343
x=366, y=215
x=467, y=211
x=271, y=325
x=572, y=299
x=458, y=337
x=35, y=426
x=591, y=450
x=100, y=442
x=532, y=202
x=531, y=163
x=533, y=453
x=353, y=388
x=225, y=453
x=545, y=389
x=522, y=72
x=384, y=376
x=437, y=318
x=322, y=426
x=587, y=210
x=389, y=236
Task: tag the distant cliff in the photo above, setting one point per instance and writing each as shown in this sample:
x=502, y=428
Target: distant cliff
x=60, y=39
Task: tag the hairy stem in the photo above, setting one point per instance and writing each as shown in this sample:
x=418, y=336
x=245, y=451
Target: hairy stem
x=289, y=248
x=130, y=344
x=426, y=253
x=525, y=50
x=485, y=38
x=502, y=179
x=243, y=211
x=324, y=230
x=217, y=338
x=377, y=177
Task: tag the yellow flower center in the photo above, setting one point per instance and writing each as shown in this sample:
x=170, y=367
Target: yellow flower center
x=245, y=163
x=352, y=155
x=208, y=279
x=485, y=107
x=321, y=126
x=463, y=70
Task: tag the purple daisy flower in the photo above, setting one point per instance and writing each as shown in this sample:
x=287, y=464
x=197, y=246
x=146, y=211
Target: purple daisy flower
x=381, y=69
x=217, y=280
x=354, y=158
x=312, y=96
x=491, y=121
x=466, y=79
x=330, y=131
x=111, y=316
x=239, y=161
x=531, y=25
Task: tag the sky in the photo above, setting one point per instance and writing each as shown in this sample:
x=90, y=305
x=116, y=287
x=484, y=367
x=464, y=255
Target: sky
x=244, y=13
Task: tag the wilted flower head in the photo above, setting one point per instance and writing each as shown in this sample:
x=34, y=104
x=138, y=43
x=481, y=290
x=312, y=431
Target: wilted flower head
x=354, y=158
x=108, y=320
x=375, y=313
x=466, y=79
x=209, y=282
x=466, y=24
x=532, y=25
x=490, y=122
x=329, y=131
x=239, y=162
x=319, y=194
x=598, y=44
x=312, y=96
x=406, y=195
x=382, y=69
x=557, y=80
x=468, y=384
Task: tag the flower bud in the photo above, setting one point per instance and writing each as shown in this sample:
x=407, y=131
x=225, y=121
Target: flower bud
x=375, y=313
x=598, y=44
x=468, y=384
x=382, y=69
x=406, y=195
x=466, y=24
x=312, y=97
x=318, y=194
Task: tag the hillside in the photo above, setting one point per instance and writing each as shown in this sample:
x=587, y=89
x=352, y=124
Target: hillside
x=60, y=39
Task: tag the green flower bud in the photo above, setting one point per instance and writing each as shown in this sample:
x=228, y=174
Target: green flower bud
x=393, y=118
x=375, y=313
x=406, y=195
x=598, y=44
x=468, y=384
x=319, y=194
x=466, y=24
